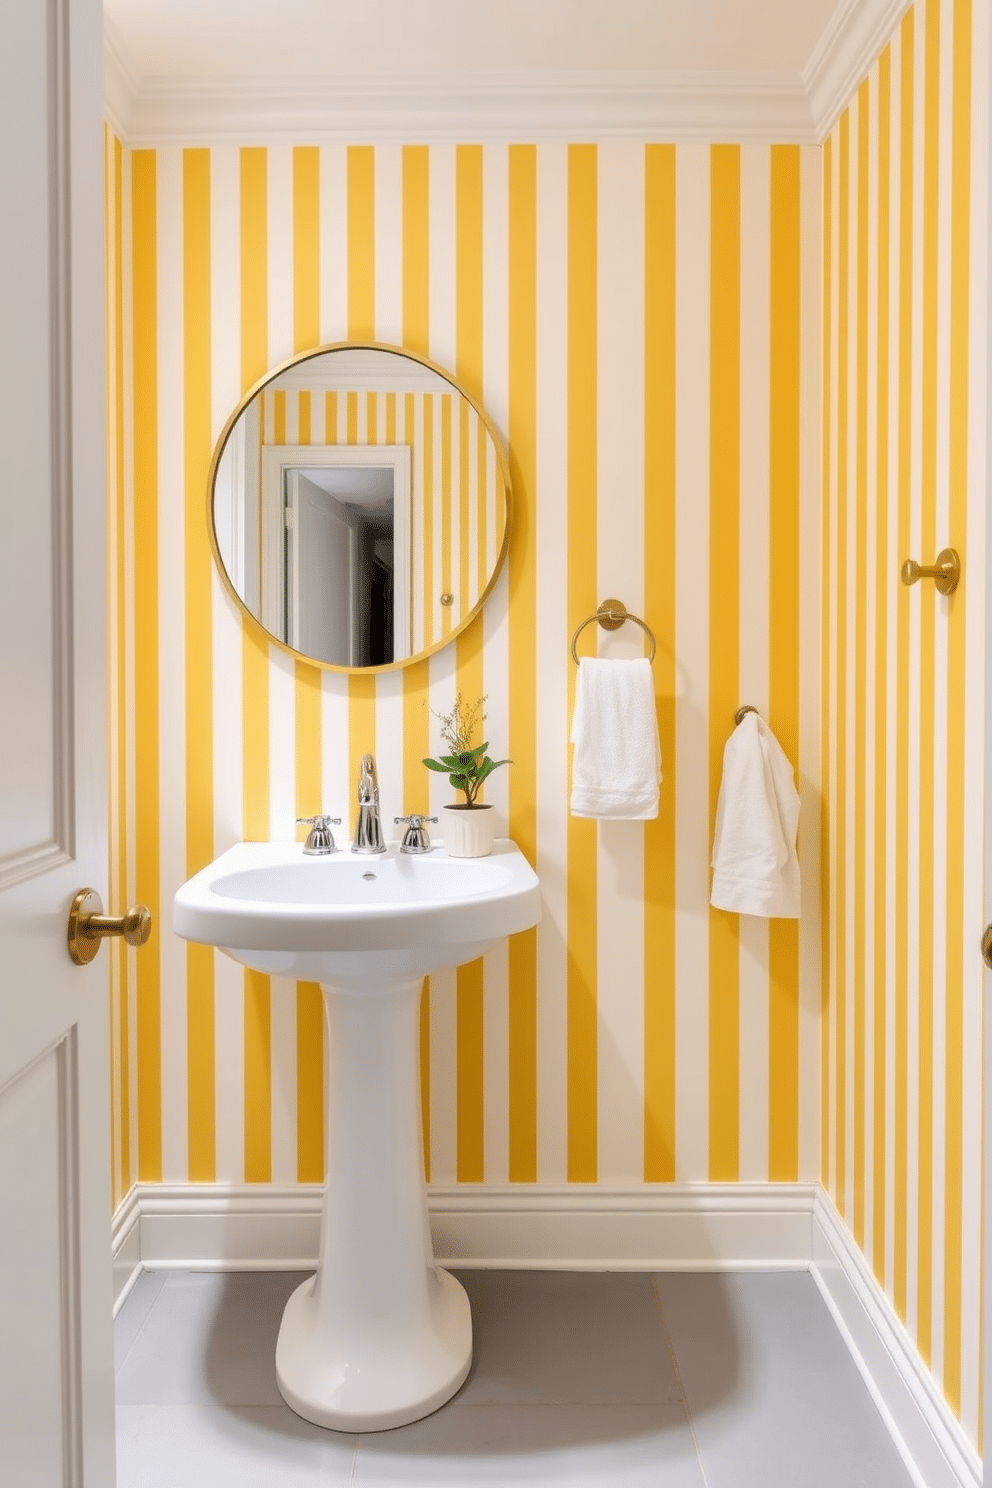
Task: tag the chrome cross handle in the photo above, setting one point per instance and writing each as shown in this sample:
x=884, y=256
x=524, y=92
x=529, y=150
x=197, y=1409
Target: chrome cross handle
x=415, y=839
x=320, y=839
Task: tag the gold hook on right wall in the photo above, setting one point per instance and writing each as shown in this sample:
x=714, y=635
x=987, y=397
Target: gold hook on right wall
x=946, y=572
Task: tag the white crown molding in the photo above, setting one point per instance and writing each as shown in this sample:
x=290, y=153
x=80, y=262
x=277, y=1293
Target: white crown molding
x=513, y=107
x=856, y=35
x=924, y=1428
x=120, y=86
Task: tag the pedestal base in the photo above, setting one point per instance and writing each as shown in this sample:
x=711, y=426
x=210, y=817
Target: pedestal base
x=383, y=1372
x=381, y=1335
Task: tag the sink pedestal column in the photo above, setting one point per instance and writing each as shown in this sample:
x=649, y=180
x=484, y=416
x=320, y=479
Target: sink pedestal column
x=380, y=1336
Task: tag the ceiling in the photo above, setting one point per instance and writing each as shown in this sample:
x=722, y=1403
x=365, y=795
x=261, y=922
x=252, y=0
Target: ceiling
x=532, y=64
x=240, y=39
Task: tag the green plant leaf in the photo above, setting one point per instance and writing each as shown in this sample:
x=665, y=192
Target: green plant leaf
x=433, y=765
x=459, y=782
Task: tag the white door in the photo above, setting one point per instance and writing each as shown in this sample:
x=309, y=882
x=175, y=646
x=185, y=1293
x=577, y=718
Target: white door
x=323, y=599
x=56, y=1376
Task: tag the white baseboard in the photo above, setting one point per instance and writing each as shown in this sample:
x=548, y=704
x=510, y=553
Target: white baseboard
x=923, y=1427
x=715, y=1227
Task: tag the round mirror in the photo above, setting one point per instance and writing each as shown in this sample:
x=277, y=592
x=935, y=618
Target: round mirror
x=359, y=506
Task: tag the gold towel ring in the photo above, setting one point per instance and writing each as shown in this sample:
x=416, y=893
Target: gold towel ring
x=742, y=712
x=611, y=615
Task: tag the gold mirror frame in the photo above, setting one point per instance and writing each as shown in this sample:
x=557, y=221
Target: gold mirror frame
x=502, y=469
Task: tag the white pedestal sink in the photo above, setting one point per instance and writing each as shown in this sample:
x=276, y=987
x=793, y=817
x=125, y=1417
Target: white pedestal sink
x=380, y=1336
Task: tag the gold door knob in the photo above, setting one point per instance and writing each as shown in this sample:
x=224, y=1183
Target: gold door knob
x=987, y=947
x=946, y=572
x=88, y=925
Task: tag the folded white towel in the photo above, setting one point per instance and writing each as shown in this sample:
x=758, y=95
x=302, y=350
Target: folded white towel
x=617, y=763
x=755, y=867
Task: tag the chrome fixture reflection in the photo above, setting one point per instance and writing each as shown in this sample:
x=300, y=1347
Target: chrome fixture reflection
x=415, y=839
x=320, y=838
x=368, y=833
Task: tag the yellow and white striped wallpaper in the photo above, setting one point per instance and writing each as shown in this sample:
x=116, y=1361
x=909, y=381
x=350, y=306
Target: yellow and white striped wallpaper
x=905, y=204
x=643, y=323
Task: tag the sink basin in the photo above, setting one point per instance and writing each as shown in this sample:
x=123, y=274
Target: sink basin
x=347, y=916
x=380, y=1335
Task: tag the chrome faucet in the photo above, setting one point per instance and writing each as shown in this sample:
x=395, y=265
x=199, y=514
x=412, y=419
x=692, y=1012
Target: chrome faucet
x=368, y=833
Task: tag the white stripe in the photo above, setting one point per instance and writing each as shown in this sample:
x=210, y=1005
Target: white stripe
x=976, y=852
x=128, y=538
x=549, y=508
x=755, y=230
x=339, y=793
x=279, y=218
x=891, y=685
x=495, y=622
x=441, y=270
x=870, y=641
x=915, y=804
x=171, y=667
x=830, y=1177
x=848, y=662
x=692, y=849
x=620, y=844
x=333, y=243
x=812, y=658
x=939, y=722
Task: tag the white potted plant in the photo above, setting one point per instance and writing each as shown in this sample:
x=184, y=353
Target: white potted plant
x=469, y=824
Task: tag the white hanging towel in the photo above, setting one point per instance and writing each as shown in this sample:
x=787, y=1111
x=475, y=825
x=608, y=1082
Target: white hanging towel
x=755, y=867
x=617, y=763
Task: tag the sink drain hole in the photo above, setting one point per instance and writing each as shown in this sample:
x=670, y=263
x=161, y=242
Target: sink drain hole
x=368, y=876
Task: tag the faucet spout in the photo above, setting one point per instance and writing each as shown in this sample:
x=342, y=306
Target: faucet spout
x=368, y=833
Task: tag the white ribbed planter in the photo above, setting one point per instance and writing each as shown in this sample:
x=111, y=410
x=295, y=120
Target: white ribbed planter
x=469, y=831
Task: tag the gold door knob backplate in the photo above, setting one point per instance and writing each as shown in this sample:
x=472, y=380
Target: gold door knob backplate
x=88, y=925
x=987, y=947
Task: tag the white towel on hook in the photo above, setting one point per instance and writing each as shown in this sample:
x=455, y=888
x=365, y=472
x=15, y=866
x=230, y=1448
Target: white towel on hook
x=617, y=763
x=755, y=867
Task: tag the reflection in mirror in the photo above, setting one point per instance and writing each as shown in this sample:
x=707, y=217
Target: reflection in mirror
x=360, y=507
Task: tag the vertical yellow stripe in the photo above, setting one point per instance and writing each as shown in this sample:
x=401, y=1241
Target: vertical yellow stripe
x=258, y=1078
x=255, y=681
x=783, y=627
x=361, y=242
x=416, y=336
x=582, y=1143
x=928, y=543
x=724, y=620
x=881, y=868
x=900, y=1280
x=122, y=687
x=307, y=685
x=825, y=642
x=840, y=722
x=860, y=700
x=659, y=608
x=306, y=248
x=199, y=677
x=468, y=647
x=467, y=425
x=144, y=361
x=956, y=642
x=416, y=241
x=522, y=621
x=279, y=418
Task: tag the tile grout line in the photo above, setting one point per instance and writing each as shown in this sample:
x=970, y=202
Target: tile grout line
x=678, y=1376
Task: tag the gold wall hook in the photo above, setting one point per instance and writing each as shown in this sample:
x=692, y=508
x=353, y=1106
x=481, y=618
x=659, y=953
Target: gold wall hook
x=88, y=925
x=946, y=572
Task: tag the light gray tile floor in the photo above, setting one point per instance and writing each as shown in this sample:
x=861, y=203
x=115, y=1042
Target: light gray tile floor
x=584, y=1379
